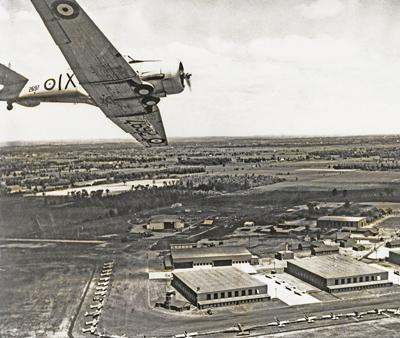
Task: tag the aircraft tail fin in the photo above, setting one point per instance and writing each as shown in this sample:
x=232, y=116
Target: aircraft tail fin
x=11, y=83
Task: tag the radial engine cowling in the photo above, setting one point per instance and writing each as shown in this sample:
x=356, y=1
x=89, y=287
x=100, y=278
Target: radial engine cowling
x=173, y=83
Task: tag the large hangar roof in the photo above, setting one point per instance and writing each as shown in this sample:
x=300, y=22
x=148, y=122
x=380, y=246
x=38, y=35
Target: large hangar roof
x=335, y=266
x=217, y=279
x=204, y=252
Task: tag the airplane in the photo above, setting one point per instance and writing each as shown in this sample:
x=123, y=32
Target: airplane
x=277, y=322
x=101, y=288
x=100, y=76
x=242, y=331
x=103, y=283
x=105, y=274
x=394, y=311
x=98, y=298
x=186, y=334
x=330, y=316
x=92, y=322
x=100, y=293
x=91, y=329
x=105, y=279
x=93, y=314
x=310, y=319
x=106, y=270
x=97, y=306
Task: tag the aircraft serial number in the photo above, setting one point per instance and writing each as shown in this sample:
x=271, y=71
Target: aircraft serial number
x=34, y=88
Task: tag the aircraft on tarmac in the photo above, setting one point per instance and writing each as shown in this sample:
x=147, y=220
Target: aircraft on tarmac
x=98, y=306
x=93, y=314
x=92, y=322
x=90, y=329
x=100, y=76
x=100, y=293
x=101, y=288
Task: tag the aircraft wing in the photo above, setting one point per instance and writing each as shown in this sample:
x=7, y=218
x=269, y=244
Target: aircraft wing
x=101, y=70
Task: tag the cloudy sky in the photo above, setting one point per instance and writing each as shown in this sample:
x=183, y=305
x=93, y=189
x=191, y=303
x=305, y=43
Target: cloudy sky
x=260, y=67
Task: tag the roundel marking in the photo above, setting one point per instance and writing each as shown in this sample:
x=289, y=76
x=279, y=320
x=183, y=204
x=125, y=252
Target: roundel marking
x=156, y=140
x=66, y=9
x=50, y=84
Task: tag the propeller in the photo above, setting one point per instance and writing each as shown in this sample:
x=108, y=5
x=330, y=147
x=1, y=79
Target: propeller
x=185, y=77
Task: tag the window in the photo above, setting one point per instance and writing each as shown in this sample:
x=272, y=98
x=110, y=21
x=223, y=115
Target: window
x=208, y=296
x=215, y=295
x=230, y=294
x=348, y=280
x=336, y=281
x=250, y=292
x=222, y=294
x=342, y=280
x=360, y=279
x=236, y=293
x=367, y=278
x=355, y=280
x=243, y=292
x=372, y=277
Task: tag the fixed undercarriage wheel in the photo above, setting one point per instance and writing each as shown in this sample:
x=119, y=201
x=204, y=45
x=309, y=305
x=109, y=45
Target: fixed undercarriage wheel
x=144, y=89
x=9, y=106
x=150, y=101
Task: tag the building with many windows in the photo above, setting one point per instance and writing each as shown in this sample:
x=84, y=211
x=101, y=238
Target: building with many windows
x=335, y=273
x=209, y=256
x=341, y=221
x=219, y=286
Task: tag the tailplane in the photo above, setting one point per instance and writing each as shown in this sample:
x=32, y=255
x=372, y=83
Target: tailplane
x=11, y=84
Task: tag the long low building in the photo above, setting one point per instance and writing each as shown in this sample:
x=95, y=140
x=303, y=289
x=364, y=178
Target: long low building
x=341, y=221
x=336, y=273
x=219, y=287
x=209, y=256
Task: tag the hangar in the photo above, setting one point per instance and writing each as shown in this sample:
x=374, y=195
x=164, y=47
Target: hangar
x=162, y=222
x=209, y=256
x=336, y=273
x=219, y=286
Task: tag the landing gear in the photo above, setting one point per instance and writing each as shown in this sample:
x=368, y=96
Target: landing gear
x=144, y=89
x=9, y=106
x=150, y=101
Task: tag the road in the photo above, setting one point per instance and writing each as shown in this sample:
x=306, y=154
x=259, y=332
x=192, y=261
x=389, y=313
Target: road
x=37, y=240
x=255, y=321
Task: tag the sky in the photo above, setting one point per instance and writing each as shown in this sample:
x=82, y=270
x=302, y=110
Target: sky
x=260, y=67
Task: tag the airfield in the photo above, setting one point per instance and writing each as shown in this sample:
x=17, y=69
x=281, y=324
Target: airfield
x=53, y=245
